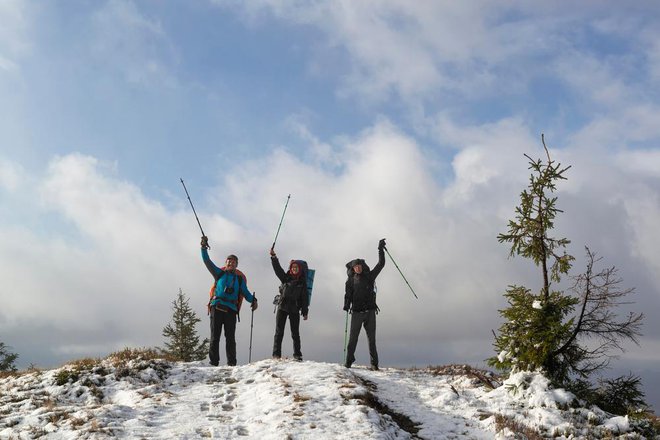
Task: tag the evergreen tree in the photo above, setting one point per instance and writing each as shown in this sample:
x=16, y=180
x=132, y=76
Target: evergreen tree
x=183, y=341
x=535, y=323
x=7, y=358
x=544, y=331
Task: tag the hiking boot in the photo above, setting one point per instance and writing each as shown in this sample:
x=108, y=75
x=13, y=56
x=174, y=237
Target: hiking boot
x=277, y=357
x=231, y=364
x=298, y=357
x=347, y=365
x=213, y=364
x=374, y=368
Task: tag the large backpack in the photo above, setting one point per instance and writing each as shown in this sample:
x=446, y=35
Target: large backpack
x=308, y=276
x=241, y=276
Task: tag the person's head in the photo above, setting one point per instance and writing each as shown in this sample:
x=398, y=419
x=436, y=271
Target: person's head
x=232, y=262
x=294, y=268
x=357, y=267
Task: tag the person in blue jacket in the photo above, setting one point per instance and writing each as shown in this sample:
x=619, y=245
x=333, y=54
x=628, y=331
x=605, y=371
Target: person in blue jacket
x=229, y=285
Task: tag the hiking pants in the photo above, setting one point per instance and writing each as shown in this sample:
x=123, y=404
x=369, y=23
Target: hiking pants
x=280, y=322
x=219, y=319
x=368, y=320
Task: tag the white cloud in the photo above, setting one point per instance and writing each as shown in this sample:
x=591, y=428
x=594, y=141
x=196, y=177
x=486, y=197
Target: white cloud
x=110, y=279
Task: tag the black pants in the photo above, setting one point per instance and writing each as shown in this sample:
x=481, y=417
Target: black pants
x=368, y=320
x=218, y=320
x=280, y=322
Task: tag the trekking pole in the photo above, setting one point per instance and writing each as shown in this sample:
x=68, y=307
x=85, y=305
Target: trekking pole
x=278, y=228
x=193, y=208
x=345, y=336
x=251, y=326
x=404, y=277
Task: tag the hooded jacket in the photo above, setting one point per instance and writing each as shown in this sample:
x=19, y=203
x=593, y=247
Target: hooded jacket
x=360, y=293
x=293, y=290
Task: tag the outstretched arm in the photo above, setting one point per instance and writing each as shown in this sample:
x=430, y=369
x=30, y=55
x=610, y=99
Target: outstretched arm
x=277, y=267
x=215, y=270
x=381, y=259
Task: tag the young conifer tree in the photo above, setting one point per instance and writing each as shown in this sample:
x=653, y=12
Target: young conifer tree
x=7, y=358
x=183, y=341
x=544, y=330
x=535, y=325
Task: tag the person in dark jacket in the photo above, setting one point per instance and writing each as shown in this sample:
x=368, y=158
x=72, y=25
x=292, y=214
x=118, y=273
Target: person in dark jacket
x=292, y=302
x=360, y=299
x=223, y=306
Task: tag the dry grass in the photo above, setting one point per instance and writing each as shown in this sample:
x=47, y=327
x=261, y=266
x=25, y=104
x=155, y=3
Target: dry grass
x=131, y=354
x=487, y=378
x=520, y=430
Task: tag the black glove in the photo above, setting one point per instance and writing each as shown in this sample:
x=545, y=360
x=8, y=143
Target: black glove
x=346, y=307
x=205, y=242
x=381, y=244
x=254, y=304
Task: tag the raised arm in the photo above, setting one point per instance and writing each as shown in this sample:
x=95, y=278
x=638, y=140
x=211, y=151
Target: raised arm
x=215, y=270
x=381, y=259
x=277, y=267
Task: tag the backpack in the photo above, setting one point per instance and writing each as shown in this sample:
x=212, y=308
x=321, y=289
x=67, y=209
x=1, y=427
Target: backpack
x=308, y=278
x=241, y=276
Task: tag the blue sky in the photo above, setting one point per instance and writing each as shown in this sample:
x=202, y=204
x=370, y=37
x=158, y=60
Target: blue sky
x=381, y=119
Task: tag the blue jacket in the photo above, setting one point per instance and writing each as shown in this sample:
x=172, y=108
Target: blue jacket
x=223, y=280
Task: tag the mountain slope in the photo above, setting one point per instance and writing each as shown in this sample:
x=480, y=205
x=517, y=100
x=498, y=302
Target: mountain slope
x=151, y=398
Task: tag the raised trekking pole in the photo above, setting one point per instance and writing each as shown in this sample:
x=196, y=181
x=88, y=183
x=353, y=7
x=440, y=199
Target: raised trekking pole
x=251, y=326
x=345, y=336
x=404, y=277
x=278, y=228
x=193, y=208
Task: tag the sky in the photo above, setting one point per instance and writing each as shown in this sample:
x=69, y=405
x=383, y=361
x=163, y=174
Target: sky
x=271, y=399
x=381, y=119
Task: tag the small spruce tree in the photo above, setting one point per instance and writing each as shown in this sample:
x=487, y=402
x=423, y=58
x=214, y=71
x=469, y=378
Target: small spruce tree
x=544, y=331
x=535, y=323
x=7, y=358
x=183, y=341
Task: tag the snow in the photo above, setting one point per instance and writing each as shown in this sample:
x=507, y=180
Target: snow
x=618, y=424
x=537, y=305
x=284, y=399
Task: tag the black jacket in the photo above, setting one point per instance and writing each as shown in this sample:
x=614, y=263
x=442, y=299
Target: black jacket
x=293, y=290
x=360, y=292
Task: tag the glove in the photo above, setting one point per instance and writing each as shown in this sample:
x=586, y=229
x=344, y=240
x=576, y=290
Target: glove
x=254, y=305
x=205, y=242
x=381, y=244
x=346, y=307
x=272, y=252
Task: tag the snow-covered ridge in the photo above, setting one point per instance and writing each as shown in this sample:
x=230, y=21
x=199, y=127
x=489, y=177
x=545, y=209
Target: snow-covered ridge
x=289, y=400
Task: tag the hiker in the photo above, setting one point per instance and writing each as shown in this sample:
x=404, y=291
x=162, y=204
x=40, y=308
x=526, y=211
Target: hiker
x=292, y=302
x=360, y=300
x=230, y=285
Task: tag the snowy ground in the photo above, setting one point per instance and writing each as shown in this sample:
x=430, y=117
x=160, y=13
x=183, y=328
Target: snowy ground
x=286, y=400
